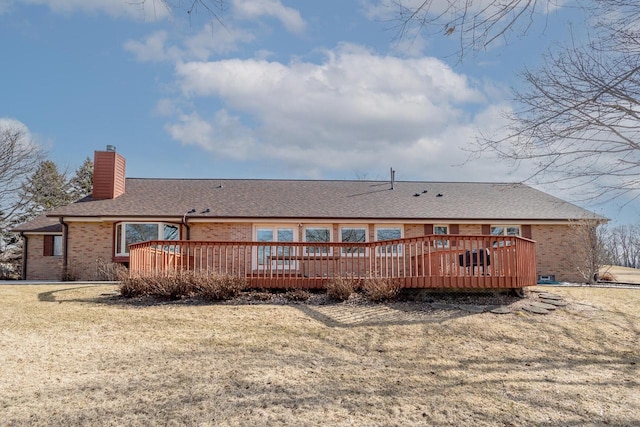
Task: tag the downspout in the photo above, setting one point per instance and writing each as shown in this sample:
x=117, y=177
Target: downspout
x=65, y=250
x=186, y=223
x=188, y=228
x=25, y=247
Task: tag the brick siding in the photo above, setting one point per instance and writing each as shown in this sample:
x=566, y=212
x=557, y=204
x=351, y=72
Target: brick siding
x=41, y=267
x=90, y=244
x=557, y=251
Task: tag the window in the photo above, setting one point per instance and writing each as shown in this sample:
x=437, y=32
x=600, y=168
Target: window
x=353, y=235
x=274, y=256
x=128, y=233
x=52, y=246
x=505, y=230
x=57, y=246
x=320, y=235
x=389, y=233
x=441, y=229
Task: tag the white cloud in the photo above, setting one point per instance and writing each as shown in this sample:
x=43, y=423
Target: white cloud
x=253, y=9
x=354, y=111
x=148, y=10
x=212, y=39
x=223, y=134
x=13, y=125
x=153, y=48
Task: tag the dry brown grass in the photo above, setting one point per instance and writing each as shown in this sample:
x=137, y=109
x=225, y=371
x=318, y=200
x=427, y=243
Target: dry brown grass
x=78, y=355
x=620, y=274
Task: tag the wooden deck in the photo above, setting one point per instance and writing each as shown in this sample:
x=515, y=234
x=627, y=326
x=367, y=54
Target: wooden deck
x=434, y=261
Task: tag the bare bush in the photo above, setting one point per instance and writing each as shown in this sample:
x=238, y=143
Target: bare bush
x=184, y=285
x=219, y=287
x=132, y=287
x=111, y=271
x=378, y=289
x=607, y=276
x=341, y=288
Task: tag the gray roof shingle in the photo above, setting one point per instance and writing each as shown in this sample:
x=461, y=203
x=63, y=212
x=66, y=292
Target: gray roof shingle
x=261, y=199
x=40, y=224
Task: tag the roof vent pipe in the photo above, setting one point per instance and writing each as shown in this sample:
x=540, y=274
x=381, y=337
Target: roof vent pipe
x=393, y=178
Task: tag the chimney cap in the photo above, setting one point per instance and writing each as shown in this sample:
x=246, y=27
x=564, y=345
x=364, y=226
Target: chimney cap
x=111, y=148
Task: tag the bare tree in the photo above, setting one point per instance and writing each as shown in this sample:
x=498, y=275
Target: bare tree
x=213, y=9
x=623, y=243
x=588, y=251
x=19, y=157
x=579, y=116
x=476, y=24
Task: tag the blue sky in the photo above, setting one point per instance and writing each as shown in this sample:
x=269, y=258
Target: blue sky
x=285, y=89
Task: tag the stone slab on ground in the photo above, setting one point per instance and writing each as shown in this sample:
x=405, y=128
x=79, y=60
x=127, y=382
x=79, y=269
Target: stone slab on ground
x=533, y=309
x=501, y=309
x=555, y=302
x=542, y=305
x=547, y=295
x=473, y=308
x=442, y=306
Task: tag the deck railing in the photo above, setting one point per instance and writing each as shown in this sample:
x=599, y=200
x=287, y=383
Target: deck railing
x=434, y=261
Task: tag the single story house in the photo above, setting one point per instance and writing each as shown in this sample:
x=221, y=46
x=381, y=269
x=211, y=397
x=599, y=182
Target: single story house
x=264, y=227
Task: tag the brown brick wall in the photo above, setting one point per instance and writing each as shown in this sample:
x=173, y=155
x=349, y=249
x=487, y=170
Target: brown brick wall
x=222, y=232
x=41, y=267
x=556, y=251
x=90, y=243
x=413, y=230
x=470, y=229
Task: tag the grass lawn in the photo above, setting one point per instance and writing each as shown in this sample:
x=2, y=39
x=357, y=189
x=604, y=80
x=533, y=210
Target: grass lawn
x=76, y=355
x=622, y=274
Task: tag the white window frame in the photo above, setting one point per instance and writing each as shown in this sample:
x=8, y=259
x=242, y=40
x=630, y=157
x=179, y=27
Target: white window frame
x=274, y=265
x=56, y=249
x=505, y=232
x=389, y=250
x=353, y=227
x=441, y=243
x=505, y=229
x=122, y=249
x=317, y=227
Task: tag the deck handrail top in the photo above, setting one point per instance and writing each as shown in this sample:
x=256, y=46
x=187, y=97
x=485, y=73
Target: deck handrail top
x=426, y=237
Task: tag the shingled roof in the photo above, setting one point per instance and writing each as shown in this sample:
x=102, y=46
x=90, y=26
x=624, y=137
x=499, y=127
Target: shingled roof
x=41, y=224
x=330, y=200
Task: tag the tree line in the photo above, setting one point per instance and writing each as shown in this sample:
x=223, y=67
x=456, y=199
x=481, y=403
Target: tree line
x=30, y=185
x=622, y=245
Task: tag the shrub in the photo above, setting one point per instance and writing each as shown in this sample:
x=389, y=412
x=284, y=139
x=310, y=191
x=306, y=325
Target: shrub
x=300, y=295
x=173, y=286
x=131, y=287
x=110, y=271
x=219, y=287
x=70, y=275
x=340, y=288
x=377, y=289
x=607, y=277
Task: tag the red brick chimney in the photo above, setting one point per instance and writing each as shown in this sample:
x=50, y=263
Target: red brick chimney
x=108, y=174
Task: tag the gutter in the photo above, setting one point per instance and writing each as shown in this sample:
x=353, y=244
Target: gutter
x=65, y=250
x=25, y=247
